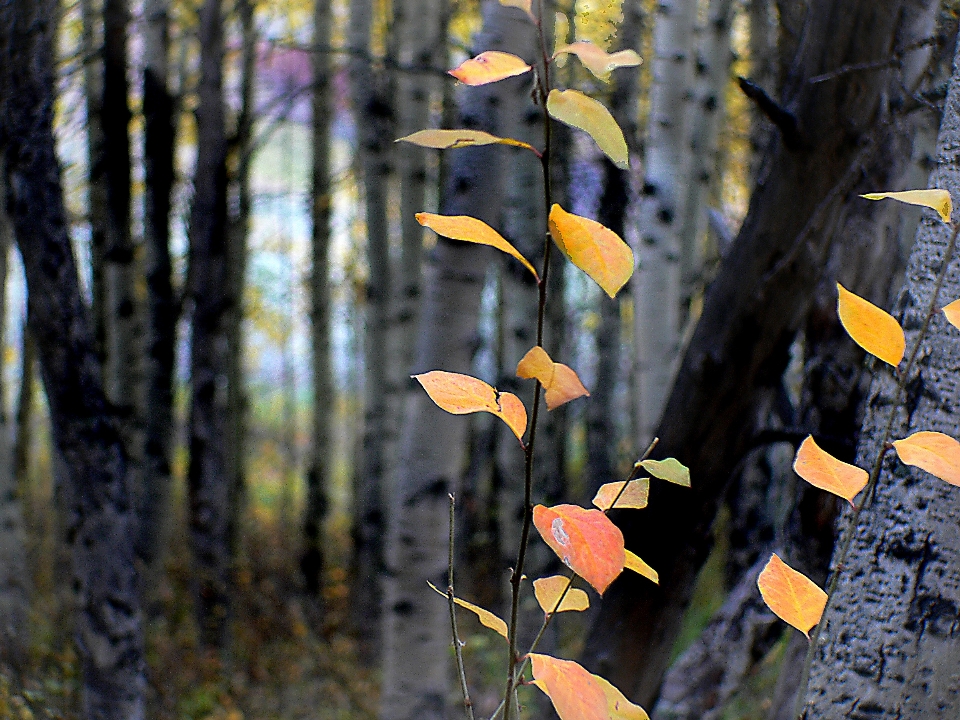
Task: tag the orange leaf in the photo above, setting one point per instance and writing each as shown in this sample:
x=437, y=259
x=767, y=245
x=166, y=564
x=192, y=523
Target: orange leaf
x=593, y=248
x=822, y=470
x=791, y=595
x=461, y=394
x=574, y=108
x=453, y=139
x=469, y=229
x=952, y=311
x=633, y=562
x=938, y=200
x=873, y=329
x=597, y=60
x=634, y=496
x=934, y=452
x=549, y=589
x=586, y=540
x=489, y=67
x=560, y=382
x=618, y=707
x=487, y=618
x=574, y=692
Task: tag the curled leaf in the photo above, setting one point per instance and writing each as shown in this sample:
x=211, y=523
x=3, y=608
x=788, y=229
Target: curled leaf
x=584, y=113
x=938, y=200
x=823, y=470
x=633, y=562
x=934, y=452
x=671, y=470
x=549, y=589
x=634, y=496
x=575, y=693
x=791, y=595
x=470, y=229
x=597, y=60
x=593, y=248
x=952, y=311
x=461, y=394
x=873, y=329
x=488, y=67
x=585, y=540
x=487, y=618
x=560, y=382
x=454, y=139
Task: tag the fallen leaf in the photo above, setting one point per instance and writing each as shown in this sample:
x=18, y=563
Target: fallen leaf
x=574, y=108
x=934, y=452
x=454, y=139
x=487, y=618
x=618, y=707
x=574, y=692
x=470, y=229
x=633, y=562
x=671, y=470
x=873, y=329
x=585, y=540
x=791, y=595
x=593, y=248
x=560, y=382
x=549, y=589
x=597, y=60
x=952, y=311
x=461, y=395
x=489, y=67
x=635, y=496
x=938, y=200
x=823, y=470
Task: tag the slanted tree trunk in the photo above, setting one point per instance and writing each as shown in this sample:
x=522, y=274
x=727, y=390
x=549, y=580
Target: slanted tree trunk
x=107, y=622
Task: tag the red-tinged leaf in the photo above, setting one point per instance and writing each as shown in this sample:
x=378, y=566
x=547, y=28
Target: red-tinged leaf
x=635, y=496
x=585, y=540
x=549, y=589
x=938, y=200
x=597, y=60
x=934, y=452
x=618, y=707
x=574, y=692
x=593, y=248
x=791, y=595
x=461, y=395
x=470, y=229
x=952, y=311
x=873, y=329
x=486, y=618
x=574, y=108
x=560, y=382
x=489, y=67
x=822, y=470
x=454, y=139
x=633, y=562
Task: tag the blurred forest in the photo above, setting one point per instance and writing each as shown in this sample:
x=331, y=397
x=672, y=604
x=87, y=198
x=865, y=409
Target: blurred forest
x=221, y=495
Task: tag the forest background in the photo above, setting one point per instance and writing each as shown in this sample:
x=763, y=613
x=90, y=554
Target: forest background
x=258, y=292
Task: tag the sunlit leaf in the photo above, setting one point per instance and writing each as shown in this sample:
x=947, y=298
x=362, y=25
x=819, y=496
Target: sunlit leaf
x=618, y=707
x=525, y=5
x=952, y=311
x=488, y=67
x=938, y=200
x=633, y=562
x=584, y=113
x=470, y=229
x=593, y=248
x=560, y=382
x=585, y=540
x=487, y=618
x=461, y=394
x=575, y=693
x=823, y=470
x=873, y=329
x=792, y=596
x=671, y=470
x=597, y=60
x=634, y=496
x=549, y=589
x=934, y=452
x=453, y=139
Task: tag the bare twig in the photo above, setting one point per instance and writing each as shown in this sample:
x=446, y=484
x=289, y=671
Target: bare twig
x=457, y=643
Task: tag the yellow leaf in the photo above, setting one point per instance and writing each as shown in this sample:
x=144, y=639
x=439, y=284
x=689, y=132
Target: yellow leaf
x=585, y=540
x=489, y=67
x=469, y=229
x=524, y=5
x=597, y=60
x=952, y=311
x=633, y=562
x=934, y=452
x=461, y=394
x=791, y=595
x=822, y=470
x=454, y=139
x=873, y=329
x=549, y=589
x=618, y=707
x=576, y=109
x=938, y=200
x=575, y=693
x=593, y=248
x=560, y=382
x=487, y=618
x=671, y=470
x=634, y=496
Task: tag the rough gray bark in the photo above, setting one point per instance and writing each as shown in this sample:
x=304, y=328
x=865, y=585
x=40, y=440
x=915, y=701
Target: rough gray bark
x=25, y=403
x=107, y=622
x=886, y=648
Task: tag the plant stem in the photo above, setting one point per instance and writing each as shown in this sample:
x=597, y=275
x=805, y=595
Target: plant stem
x=457, y=644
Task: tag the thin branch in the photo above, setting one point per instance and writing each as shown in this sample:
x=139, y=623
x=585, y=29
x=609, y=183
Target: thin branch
x=457, y=643
x=895, y=60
